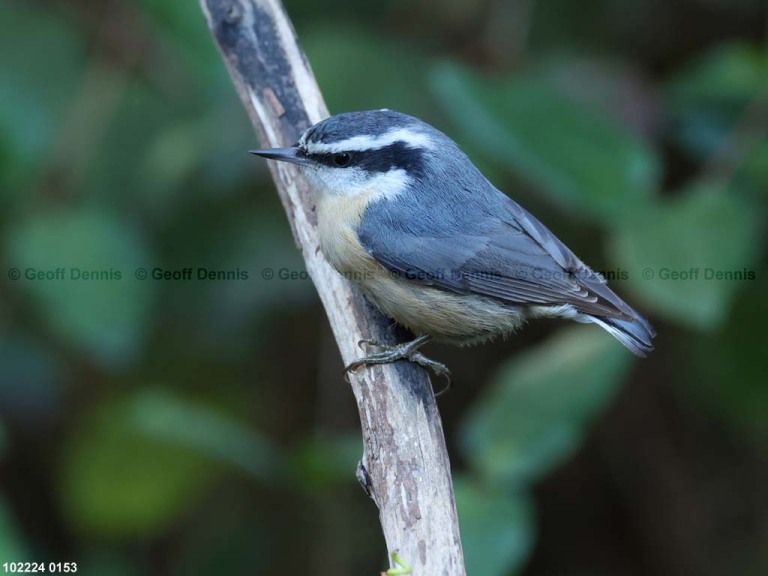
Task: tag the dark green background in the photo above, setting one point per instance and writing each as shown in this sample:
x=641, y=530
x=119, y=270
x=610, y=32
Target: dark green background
x=202, y=427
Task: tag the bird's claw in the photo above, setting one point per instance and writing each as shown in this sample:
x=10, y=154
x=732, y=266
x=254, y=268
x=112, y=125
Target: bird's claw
x=405, y=351
x=367, y=342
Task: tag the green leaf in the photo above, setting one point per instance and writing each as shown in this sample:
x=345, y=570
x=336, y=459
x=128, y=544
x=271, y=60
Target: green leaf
x=116, y=481
x=729, y=74
x=496, y=529
x=716, y=99
x=681, y=265
x=579, y=158
x=166, y=417
x=541, y=405
x=706, y=99
x=105, y=317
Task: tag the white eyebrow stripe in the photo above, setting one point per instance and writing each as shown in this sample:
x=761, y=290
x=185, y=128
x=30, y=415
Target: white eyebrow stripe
x=361, y=143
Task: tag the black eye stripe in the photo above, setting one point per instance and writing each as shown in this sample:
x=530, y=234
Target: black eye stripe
x=330, y=159
x=398, y=155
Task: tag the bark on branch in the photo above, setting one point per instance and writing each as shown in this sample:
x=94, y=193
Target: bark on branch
x=405, y=462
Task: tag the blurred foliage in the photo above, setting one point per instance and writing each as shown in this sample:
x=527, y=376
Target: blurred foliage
x=364, y=55
x=116, y=481
x=196, y=426
x=10, y=544
x=580, y=158
x=540, y=406
x=534, y=416
x=707, y=97
x=81, y=310
x=674, y=243
x=496, y=527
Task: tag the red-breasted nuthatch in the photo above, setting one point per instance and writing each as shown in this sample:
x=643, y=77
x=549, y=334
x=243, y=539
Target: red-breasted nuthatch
x=407, y=216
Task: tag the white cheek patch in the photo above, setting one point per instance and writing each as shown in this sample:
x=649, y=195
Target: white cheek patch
x=388, y=184
x=352, y=182
x=361, y=143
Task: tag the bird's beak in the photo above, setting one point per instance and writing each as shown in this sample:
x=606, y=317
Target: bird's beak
x=294, y=155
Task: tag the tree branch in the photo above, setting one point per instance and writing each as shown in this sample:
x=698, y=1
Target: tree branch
x=405, y=464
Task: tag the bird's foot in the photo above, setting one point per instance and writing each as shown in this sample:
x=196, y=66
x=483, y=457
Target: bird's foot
x=405, y=351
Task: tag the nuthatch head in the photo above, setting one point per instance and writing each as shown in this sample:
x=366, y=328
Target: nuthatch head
x=407, y=216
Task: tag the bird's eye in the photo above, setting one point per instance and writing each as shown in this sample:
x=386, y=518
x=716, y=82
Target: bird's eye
x=342, y=159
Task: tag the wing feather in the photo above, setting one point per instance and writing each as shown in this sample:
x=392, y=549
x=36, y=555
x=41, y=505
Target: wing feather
x=503, y=253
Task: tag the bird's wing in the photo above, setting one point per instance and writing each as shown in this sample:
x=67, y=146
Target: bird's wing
x=507, y=255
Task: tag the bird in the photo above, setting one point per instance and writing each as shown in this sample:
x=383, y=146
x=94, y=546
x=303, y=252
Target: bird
x=403, y=213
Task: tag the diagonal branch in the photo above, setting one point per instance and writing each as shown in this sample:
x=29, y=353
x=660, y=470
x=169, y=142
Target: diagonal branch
x=405, y=464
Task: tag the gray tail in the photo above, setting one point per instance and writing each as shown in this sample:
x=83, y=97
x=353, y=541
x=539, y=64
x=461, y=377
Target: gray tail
x=635, y=334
